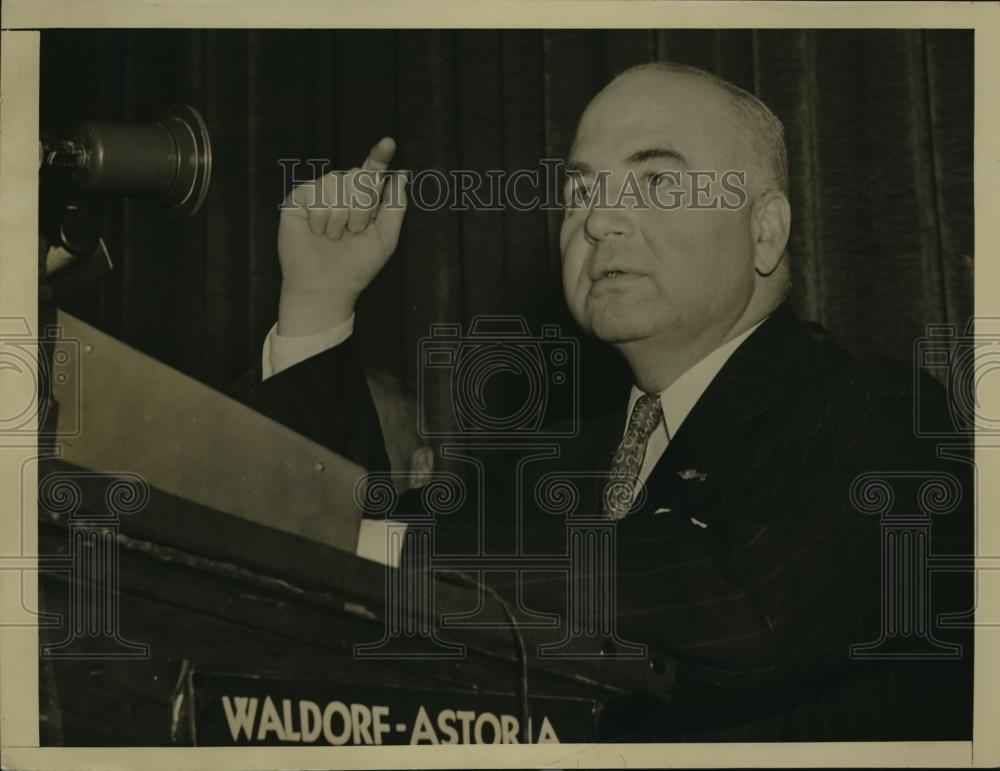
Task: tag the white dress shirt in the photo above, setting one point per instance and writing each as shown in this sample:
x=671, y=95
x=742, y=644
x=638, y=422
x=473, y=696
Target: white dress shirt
x=281, y=352
x=678, y=398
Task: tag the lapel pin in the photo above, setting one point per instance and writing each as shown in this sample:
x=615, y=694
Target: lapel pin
x=692, y=473
x=662, y=511
x=699, y=523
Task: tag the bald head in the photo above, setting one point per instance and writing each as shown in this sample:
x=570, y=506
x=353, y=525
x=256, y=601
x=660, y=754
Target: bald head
x=762, y=135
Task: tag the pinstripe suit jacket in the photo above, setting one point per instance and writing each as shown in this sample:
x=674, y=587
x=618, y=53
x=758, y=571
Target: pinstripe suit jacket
x=747, y=561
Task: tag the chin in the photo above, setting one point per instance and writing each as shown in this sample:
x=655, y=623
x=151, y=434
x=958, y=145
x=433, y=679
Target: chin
x=620, y=326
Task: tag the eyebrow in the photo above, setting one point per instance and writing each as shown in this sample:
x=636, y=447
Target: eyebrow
x=640, y=156
x=577, y=167
x=656, y=153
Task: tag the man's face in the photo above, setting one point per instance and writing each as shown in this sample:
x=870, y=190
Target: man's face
x=638, y=272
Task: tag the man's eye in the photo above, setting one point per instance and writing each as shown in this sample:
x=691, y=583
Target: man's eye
x=578, y=193
x=665, y=180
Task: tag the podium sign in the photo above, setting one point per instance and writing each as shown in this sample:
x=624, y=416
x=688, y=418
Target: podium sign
x=233, y=710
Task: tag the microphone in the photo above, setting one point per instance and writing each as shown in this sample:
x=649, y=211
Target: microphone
x=169, y=160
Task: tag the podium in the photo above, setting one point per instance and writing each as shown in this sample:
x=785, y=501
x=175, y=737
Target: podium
x=200, y=587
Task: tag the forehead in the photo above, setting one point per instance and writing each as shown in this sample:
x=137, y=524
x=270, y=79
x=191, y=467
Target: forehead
x=684, y=112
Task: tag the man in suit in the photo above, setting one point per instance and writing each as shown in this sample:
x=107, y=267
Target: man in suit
x=741, y=553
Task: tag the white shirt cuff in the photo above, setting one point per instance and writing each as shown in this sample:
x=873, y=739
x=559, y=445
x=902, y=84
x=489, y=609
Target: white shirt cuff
x=374, y=543
x=281, y=351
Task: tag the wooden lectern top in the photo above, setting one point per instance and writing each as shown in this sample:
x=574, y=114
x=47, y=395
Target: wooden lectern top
x=123, y=411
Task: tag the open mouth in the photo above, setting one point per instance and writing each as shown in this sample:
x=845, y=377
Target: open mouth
x=610, y=274
x=613, y=281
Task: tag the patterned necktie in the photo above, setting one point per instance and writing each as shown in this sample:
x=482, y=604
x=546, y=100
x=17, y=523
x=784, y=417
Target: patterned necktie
x=621, y=487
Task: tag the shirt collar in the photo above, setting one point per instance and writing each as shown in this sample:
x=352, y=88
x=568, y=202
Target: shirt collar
x=679, y=397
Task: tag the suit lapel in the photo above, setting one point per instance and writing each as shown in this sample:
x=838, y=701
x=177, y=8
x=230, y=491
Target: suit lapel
x=752, y=380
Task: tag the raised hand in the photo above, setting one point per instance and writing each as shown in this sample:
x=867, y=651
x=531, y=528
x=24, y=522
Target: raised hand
x=335, y=235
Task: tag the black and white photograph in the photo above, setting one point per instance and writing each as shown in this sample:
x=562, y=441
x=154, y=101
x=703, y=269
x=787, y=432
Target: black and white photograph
x=407, y=384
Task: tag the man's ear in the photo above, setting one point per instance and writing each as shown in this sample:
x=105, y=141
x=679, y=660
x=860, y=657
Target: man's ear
x=772, y=219
x=421, y=466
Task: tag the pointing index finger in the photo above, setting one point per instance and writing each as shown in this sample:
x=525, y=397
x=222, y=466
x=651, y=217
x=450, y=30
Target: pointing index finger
x=380, y=155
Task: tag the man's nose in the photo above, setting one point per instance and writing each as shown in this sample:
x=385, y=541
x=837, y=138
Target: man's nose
x=608, y=222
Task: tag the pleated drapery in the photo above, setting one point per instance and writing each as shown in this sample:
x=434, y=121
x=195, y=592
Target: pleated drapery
x=879, y=129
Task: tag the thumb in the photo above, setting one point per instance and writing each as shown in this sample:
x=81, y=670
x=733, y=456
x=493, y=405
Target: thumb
x=392, y=210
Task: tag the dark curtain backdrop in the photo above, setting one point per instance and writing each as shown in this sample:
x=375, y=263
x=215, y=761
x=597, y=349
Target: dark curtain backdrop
x=879, y=128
